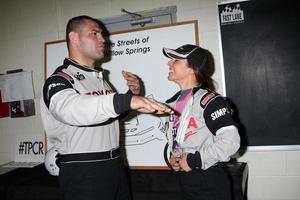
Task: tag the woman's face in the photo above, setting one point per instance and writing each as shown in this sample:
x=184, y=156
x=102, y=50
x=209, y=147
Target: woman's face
x=179, y=71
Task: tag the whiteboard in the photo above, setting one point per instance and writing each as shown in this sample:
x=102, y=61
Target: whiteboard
x=140, y=52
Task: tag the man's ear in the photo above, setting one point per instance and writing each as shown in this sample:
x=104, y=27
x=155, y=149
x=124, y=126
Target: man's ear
x=73, y=37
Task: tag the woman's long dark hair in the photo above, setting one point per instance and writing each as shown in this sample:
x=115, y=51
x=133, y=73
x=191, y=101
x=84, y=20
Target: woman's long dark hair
x=203, y=76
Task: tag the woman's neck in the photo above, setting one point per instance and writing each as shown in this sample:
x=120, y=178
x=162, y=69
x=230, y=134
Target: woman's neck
x=186, y=86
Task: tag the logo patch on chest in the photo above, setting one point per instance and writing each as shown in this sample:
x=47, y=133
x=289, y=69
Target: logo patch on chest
x=192, y=123
x=79, y=76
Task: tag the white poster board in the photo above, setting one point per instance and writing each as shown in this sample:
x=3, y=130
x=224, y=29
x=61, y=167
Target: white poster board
x=140, y=52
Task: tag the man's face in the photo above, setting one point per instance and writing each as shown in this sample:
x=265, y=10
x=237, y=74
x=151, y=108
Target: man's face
x=91, y=41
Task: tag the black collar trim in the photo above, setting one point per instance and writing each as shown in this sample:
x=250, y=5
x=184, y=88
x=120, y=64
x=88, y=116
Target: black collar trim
x=175, y=97
x=69, y=61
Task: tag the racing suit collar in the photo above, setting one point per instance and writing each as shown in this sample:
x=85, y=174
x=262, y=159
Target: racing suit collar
x=69, y=61
x=195, y=89
x=177, y=95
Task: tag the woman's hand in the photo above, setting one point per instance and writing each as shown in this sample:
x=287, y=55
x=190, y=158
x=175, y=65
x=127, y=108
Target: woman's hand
x=174, y=162
x=183, y=163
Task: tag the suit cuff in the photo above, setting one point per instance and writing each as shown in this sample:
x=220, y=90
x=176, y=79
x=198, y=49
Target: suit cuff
x=122, y=102
x=194, y=160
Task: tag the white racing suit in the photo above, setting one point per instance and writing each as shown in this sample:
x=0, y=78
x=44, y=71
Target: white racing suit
x=79, y=111
x=206, y=131
x=79, y=108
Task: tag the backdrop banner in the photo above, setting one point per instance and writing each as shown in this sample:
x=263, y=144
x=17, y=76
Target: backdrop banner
x=260, y=49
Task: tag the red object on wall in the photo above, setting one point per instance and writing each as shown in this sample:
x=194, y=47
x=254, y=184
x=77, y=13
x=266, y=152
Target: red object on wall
x=4, y=108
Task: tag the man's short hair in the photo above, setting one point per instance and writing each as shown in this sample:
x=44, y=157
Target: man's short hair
x=75, y=23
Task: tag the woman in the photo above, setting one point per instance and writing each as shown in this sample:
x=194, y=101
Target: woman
x=202, y=133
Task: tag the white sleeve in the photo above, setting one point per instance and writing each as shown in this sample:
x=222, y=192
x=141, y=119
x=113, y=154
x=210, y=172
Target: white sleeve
x=80, y=110
x=226, y=143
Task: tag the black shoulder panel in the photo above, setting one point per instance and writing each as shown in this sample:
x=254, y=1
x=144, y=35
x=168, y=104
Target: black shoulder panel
x=54, y=84
x=218, y=114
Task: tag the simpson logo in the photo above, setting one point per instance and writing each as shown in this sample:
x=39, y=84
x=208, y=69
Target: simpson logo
x=231, y=15
x=219, y=113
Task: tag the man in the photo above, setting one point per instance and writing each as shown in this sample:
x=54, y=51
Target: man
x=79, y=112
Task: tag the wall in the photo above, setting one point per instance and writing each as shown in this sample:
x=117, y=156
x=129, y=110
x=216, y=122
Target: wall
x=26, y=25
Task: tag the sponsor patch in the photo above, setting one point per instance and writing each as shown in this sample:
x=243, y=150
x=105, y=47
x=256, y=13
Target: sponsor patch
x=192, y=123
x=206, y=98
x=99, y=92
x=232, y=14
x=79, y=76
x=219, y=113
x=53, y=85
x=187, y=135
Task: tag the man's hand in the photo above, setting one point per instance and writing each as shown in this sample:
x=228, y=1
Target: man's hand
x=133, y=82
x=148, y=105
